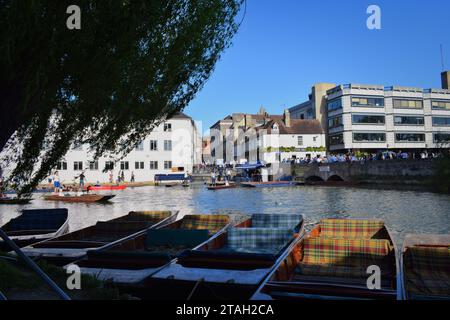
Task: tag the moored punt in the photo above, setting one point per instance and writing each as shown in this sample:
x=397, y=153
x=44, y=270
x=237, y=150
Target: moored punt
x=221, y=186
x=97, y=188
x=82, y=198
x=129, y=262
x=16, y=201
x=426, y=267
x=268, y=184
x=332, y=262
x=35, y=225
x=73, y=246
x=231, y=265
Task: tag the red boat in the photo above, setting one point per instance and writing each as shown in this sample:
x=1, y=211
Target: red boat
x=121, y=187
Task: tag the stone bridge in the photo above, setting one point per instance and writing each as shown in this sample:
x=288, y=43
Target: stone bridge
x=386, y=171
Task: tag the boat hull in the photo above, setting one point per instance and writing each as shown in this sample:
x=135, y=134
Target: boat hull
x=11, y=201
x=84, y=198
x=98, y=188
x=270, y=184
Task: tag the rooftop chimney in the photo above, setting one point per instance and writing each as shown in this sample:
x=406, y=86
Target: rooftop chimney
x=287, y=118
x=445, y=76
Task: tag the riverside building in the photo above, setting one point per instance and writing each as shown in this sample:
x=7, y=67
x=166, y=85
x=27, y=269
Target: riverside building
x=173, y=146
x=373, y=117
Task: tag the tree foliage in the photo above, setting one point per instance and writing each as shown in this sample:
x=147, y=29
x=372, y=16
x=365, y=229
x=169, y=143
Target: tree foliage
x=132, y=64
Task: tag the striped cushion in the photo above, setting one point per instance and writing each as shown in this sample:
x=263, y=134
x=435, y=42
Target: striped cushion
x=276, y=220
x=262, y=240
x=427, y=270
x=210, y=222
x=350, y=228
x=154, y=216
x=346, y=252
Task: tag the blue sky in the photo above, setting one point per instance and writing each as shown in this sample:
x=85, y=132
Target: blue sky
x=285, y=46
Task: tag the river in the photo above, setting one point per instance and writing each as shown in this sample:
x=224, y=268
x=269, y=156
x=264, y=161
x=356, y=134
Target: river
x=403, y=211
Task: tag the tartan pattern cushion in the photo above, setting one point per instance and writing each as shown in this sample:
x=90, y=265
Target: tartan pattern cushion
x=350, y=228
x=427, y=270
x=38, y=219
x=258, y=239
x=346, y=252
x=327, y=270
x=276, y=220
x=211, y=222
x=153, y=216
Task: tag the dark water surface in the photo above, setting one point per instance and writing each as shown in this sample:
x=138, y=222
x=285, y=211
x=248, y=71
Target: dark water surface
x=403, y=211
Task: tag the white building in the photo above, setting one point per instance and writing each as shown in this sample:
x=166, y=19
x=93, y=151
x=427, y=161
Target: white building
x=174, y=146
x=242, y=138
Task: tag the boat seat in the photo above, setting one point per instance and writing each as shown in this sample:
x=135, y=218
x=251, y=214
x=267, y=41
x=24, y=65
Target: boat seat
x=337, y=271
x=214, y=222
x=350, y=228
x=427, y=271
x=150, y=216
x=120, y=227
x=175, y=238
x=292, y=221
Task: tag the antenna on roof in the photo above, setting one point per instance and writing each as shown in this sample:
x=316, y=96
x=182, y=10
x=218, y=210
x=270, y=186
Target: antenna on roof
x=442, y=58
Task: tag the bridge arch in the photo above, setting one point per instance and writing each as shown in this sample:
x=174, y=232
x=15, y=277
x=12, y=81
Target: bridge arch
x=335, y=177
x=314, y=179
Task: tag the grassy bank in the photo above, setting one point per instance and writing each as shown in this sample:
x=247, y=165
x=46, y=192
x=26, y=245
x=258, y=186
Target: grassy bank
x=18, y=282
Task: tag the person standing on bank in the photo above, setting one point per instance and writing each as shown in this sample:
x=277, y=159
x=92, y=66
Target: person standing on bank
x=213, y=178
x=132, y=176
x=82, y=178
x=56, y=182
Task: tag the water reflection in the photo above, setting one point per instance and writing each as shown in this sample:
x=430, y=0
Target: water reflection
x=403, y=211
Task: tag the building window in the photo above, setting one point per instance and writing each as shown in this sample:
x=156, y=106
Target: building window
x=367, y=102
x=440, y=105
x=153, y=165
x=369, y=137
x=367, y=119
x=409, y=121
x=410, y=137
x=300, y=140
x=140, y=146
x=336, y=139
x=153, y=145
x=213, y=152
x=109, y=165
x=167, y=127
x=408, y=104
x=334, y=105
x=124, y=165
x=93, y=165
x=335, y=122
x=441, y=121
x=139, y=165
x=78, y=166
x=167, y=165
x=167, y=145
x=442, y=137
x=61, y=165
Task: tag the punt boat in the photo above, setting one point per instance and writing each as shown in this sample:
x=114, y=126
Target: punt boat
x=129, y=262
x=81, y=198
x=268, y=184
x=73, y=246
x=231, y=265
x=332, y=263
x=426, y=267
x=221, y=187
x=97, y=188
x=35, y=225
x=17, y=201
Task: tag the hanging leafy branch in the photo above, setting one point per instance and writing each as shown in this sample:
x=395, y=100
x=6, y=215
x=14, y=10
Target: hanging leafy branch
x=132, y=65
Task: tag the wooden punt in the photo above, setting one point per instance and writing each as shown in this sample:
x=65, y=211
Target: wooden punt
x=82, y=198
x=268, y=184
x=232, y=264
x=331, y=263
x=221, y=187
x=425, y=263
x=16, y=201
x=73, y=246
x=129, y=262
x=35, y=225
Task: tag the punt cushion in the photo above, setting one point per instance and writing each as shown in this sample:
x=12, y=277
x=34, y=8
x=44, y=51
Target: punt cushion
x=38, y=219
x=175, y=238
x=326, y=270
x=258, y=240
x=427, y=270
x=350, y=228
x=153, y=216
x=276, y=220
x=211, y=222
x=346, y=252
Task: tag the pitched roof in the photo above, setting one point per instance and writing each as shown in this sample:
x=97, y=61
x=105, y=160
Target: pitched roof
x=298, y=126
x=180, y=115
